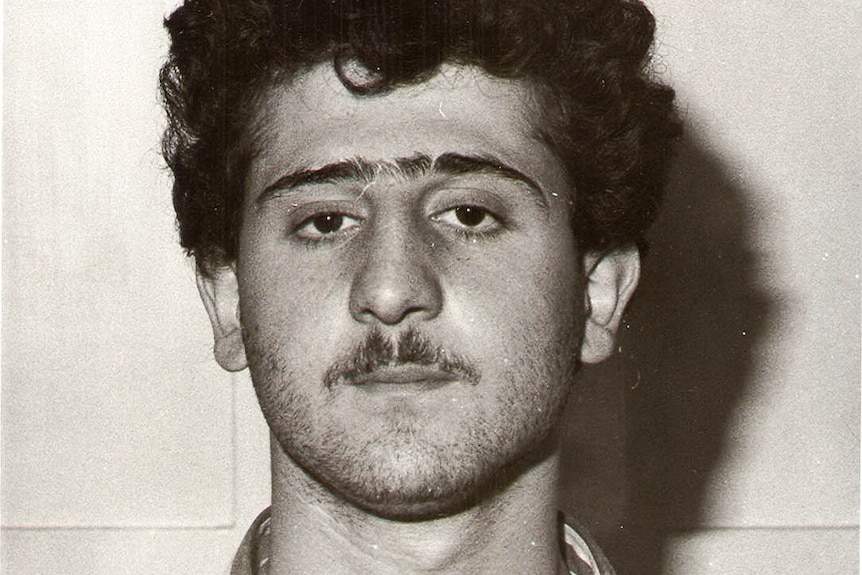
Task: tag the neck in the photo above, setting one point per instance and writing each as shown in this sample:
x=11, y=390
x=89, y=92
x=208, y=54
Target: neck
x=315, y=533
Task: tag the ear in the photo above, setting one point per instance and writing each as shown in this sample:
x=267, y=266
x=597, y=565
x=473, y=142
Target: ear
x=612, y=277
x=220, y=294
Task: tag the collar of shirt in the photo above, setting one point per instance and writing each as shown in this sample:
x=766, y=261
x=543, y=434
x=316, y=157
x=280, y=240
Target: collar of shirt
x=582, y=555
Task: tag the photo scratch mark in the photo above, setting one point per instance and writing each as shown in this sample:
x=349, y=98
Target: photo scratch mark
x=365, y=189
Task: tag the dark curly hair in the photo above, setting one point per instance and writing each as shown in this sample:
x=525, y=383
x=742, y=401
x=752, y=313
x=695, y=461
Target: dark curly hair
x=608, y=120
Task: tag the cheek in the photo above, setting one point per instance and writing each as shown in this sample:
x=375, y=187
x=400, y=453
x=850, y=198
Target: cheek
x=291, y=306
x=514, y=287
x=522, y=319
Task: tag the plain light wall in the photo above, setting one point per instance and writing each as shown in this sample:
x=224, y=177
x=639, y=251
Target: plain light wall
x=773, y=91
x=752, y=296
x=119, y=432
x=731, y=414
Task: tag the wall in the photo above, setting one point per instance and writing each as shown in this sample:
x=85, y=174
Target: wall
x=722, y=438
x=119, y=433
x=738, y=375
x=773, y=93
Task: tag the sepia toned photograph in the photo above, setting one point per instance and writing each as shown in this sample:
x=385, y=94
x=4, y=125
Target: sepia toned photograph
x=430, y=287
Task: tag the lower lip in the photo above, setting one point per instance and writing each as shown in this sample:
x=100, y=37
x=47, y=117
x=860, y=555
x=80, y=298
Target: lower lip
x=405, y=387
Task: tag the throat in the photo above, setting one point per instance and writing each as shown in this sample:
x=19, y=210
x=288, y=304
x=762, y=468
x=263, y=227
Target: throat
x=314, y=532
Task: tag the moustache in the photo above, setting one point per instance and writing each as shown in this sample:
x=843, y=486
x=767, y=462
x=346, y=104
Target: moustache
x=411, y=347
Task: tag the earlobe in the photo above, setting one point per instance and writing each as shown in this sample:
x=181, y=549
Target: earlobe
x=612, y=277
x=220, y=294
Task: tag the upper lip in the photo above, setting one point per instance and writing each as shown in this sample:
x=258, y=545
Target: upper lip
x=405, y=373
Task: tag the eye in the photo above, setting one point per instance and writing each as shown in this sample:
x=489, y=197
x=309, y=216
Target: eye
x=470, y=216
x=469, y=219
x=326, y=226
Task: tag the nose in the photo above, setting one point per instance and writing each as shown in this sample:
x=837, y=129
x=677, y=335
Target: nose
x=395, y=281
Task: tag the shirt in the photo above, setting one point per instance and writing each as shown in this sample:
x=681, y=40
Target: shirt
x=582, y=555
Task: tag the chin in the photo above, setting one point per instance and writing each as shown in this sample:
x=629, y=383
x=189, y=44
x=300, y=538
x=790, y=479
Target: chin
x=413, y=508
x=411, y=484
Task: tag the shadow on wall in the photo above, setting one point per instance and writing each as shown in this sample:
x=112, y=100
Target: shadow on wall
x=647, y=428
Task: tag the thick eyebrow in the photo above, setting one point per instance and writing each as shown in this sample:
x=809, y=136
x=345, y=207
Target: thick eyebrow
x=459, y=164
x=354, y=170
x=361, y=170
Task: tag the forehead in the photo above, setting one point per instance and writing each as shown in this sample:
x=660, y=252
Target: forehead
x=314, y=120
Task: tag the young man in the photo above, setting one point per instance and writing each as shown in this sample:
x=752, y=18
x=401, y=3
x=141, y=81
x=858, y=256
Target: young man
x=413, y=221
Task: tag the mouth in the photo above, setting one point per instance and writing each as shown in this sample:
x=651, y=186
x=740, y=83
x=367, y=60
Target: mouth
x=404, y=377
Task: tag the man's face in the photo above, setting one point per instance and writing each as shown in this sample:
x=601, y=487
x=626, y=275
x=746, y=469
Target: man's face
x=410, y=290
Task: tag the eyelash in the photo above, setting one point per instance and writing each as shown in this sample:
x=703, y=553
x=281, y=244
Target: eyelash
x=472, y=232
x=323, y=237
x=464, y=231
